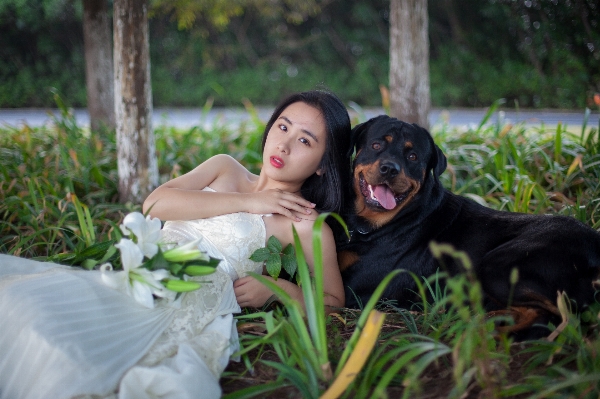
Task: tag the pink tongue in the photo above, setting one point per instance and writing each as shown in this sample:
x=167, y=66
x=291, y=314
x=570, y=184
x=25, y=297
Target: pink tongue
x=384, y=196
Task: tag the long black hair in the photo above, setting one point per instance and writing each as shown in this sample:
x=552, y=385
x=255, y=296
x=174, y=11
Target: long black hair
x=326, y=190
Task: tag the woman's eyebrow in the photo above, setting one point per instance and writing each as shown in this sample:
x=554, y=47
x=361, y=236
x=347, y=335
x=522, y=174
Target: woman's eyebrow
x=308, y=132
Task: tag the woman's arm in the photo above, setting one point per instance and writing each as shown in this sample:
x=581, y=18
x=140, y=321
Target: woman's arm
x=183, y=199
x=250, y=292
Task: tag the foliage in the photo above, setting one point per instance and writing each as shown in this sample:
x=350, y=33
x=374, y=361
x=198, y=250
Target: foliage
x=276, y=257
x=58, y=184
x=303, y=352
x=58, y=195
x=533, y=53
x=219, y=13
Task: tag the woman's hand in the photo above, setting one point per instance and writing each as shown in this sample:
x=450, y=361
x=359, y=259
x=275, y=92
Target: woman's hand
x=249, y=292
x=281, y=202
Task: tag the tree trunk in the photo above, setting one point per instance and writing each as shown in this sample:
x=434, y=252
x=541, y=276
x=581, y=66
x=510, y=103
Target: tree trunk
x=137, y=165
x=410, y=99
x=98, y=64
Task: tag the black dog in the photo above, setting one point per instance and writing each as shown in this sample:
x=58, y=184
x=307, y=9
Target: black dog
x=400, y=206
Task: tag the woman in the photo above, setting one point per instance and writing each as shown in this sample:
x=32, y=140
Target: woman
x=70, y=335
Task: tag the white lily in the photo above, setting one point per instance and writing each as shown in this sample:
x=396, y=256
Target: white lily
x=146, y=231
x=136, y=281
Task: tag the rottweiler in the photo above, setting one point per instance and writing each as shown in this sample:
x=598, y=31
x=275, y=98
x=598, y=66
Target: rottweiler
x=399, y=206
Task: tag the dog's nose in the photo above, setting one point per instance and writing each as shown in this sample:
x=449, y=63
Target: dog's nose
x=389, y=169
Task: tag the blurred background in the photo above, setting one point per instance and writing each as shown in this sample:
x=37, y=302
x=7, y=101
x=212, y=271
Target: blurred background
x=535, y=54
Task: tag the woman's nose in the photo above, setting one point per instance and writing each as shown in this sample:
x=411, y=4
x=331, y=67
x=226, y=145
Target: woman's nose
x=283, y=146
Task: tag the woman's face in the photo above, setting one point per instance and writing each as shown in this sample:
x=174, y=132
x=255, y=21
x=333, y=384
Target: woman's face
x=295, y=144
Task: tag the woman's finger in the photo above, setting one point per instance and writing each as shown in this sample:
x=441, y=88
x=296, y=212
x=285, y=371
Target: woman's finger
x=285, y=195
x=289, y=214
x=298, y=208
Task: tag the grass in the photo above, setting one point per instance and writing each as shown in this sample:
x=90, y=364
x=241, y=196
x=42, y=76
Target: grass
x=58, y=195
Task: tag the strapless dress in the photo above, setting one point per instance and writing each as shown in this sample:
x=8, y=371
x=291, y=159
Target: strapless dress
x=66, y=334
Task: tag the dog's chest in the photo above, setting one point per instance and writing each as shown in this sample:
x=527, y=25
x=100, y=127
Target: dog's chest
x=382, y=251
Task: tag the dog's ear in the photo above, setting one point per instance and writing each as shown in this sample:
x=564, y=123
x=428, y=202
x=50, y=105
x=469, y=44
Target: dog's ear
x=438, y=162
x=359, y=131
x=441, y=162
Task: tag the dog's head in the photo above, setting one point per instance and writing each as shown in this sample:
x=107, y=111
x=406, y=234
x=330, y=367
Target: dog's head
x=393, y=161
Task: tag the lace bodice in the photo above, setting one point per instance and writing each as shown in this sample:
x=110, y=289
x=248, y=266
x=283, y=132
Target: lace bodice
x=231, y=238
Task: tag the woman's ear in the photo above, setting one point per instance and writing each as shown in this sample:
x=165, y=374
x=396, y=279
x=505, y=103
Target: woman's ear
x=320, y=172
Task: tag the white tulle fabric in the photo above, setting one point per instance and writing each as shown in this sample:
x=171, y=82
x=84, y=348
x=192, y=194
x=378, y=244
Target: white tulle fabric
x=65, y=334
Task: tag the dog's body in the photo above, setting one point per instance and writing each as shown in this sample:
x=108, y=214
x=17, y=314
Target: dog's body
x=400, y=206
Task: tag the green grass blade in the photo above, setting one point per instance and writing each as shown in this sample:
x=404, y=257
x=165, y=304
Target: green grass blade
x=309, y=292
x=573, y=380
x=364, y=316
x=255, y=391
x=586, y=117
x=558, y=143
x=489, y=113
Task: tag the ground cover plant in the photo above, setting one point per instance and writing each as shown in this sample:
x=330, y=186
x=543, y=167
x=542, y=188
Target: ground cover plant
x=58, y=200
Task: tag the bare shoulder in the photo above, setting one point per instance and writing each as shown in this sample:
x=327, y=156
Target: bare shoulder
x=222, y=161
x=229, y=175
x=306, y=226
x=233, y=165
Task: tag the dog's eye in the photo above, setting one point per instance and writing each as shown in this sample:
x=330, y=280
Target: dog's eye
x=376, y=146
x=412, y=157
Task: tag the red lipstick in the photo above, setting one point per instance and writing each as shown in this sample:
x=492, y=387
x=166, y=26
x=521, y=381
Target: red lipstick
x=277, y=162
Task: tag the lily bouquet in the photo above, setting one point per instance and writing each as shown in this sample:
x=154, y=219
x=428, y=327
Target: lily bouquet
x=148, y=271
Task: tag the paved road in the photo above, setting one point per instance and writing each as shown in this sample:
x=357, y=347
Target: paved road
x=189, y=117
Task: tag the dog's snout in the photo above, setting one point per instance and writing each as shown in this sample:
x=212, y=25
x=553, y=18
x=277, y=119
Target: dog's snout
x=389, y=169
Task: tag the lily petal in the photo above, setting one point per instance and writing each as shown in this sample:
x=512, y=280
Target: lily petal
x=117, y=280
x=143, y=294
x=146, y=231
x=131, y=254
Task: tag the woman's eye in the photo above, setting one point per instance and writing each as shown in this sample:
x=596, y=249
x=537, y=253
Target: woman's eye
x=305, y=141
x=412, y=157
x=376, y=146
x=283, y=127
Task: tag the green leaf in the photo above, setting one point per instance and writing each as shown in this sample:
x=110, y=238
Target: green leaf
x=158, y=261
x=175, y=268
x=260, y=255
x=109, y=253
x=289, y=250
x=95, y=251
x=65, y=257
x=288, y=260
x=89, y=264
x=289, y=264
x=214, y=262
x=274, y=245
x=97, y=175
x=256, y=390
x=274, y=265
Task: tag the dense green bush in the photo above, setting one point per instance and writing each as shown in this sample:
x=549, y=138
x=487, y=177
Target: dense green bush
x=534, y=53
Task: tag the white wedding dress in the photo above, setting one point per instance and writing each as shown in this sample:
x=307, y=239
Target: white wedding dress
x=65, y=334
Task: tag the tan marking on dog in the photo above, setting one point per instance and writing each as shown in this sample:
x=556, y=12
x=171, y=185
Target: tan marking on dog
x=359, y=203
x=523, y=317
x=400, y=184
x=379, y=219
x=525, y=296
x=408, y=144
x=346, y=259
x=388, y=138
